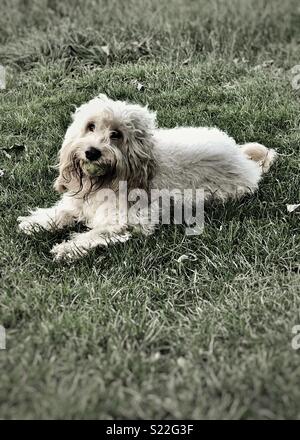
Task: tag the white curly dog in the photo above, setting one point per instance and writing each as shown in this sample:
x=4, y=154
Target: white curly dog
x=110, y=142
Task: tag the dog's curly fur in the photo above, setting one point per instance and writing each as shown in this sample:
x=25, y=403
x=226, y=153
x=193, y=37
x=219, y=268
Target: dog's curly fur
x=131, y=149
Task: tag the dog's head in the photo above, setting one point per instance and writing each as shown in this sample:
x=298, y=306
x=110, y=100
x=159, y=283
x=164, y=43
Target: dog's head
x=108, y=141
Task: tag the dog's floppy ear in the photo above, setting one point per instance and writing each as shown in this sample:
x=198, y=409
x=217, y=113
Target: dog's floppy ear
x=143, y=121
x=64, y=166
x=67, y=179
x=64, y=173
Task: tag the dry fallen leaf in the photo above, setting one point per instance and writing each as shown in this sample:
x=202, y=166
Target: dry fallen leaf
x=182, y=258
x=105, y=49
x=186, y=62
x=190, y=257
x=138, y=85
x=268, y=63
x=2, y=172
x=292, y=208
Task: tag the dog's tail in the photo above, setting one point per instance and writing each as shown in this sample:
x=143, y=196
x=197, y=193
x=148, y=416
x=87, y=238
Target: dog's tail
x=259, y=153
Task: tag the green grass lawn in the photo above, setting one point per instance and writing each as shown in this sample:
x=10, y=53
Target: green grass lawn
x=130, y=332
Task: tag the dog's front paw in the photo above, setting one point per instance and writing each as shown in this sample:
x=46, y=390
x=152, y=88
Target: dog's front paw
x=68, y=251
x=28, y=225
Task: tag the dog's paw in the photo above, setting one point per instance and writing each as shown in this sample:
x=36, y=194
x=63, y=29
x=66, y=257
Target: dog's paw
x=143, y=229
x=28, y=225
x=68, y=251
x=116, y=238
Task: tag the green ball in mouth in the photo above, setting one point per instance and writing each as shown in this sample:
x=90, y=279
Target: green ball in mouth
x=94, y=169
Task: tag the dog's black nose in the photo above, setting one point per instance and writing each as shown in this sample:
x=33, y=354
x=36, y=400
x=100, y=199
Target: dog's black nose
x=92, y=153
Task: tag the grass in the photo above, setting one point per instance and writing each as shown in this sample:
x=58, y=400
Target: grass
x=128, y=332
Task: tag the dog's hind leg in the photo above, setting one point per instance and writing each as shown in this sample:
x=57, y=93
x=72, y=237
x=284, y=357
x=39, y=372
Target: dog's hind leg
x=259, y=153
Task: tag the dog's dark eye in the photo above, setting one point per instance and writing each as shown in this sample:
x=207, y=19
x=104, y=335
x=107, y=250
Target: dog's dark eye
x=116, y=135
x=91, y=126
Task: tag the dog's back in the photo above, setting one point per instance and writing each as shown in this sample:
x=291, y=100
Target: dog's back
x=203, y=157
